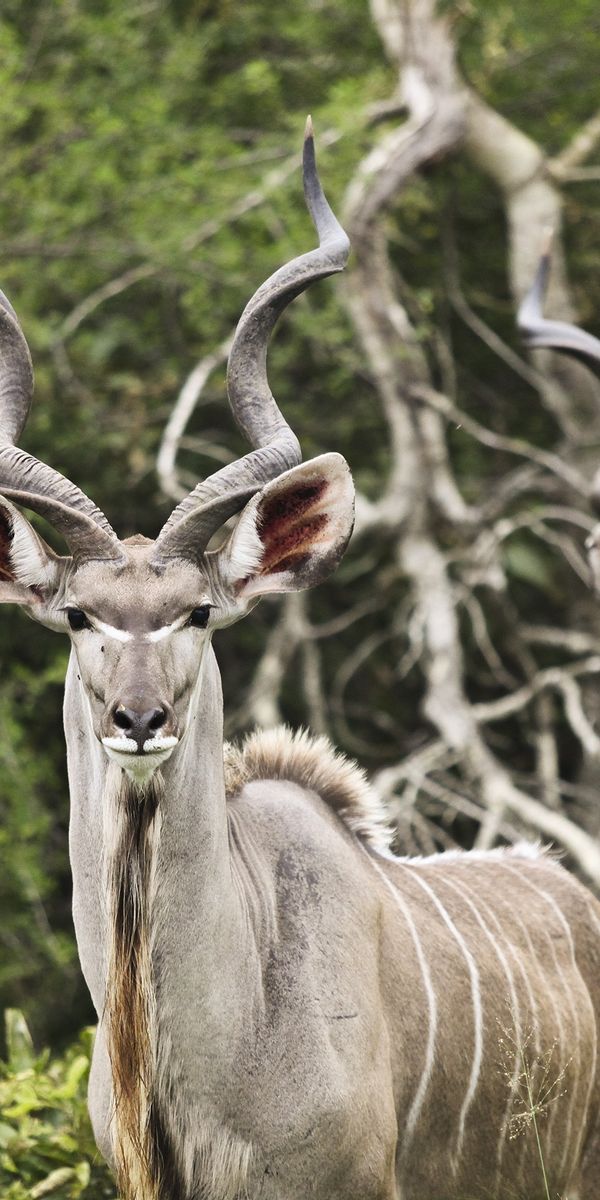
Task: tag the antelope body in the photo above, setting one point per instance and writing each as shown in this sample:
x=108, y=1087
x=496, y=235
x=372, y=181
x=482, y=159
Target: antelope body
x=285, y=1009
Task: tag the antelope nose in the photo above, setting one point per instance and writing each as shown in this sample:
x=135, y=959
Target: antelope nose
x=141, y=726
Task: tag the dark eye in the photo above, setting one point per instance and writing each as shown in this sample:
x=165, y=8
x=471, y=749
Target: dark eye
x=200, y=616
x=77, y=619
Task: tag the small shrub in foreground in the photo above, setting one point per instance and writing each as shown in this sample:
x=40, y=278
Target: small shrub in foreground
x=46, y=1142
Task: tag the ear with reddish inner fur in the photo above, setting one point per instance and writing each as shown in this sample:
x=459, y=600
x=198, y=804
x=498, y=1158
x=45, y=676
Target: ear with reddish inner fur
x=294, y=532
x=29, y=569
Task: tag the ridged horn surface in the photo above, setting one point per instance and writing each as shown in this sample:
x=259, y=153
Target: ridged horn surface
x=86, y=540
x=42, y=489
x=276, y=447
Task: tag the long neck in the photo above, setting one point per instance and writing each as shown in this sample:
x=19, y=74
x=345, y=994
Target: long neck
x=197, y=923
x=160, y=927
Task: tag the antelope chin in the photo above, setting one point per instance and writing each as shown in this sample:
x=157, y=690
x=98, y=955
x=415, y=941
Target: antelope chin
x=139, y=766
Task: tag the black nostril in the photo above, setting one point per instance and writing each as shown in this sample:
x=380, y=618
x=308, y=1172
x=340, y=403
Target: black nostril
x=141, y=726
x=157, y=719
x=122, y=718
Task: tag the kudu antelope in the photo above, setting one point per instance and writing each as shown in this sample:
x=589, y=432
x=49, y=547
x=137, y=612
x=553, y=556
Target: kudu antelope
x=285, y=1009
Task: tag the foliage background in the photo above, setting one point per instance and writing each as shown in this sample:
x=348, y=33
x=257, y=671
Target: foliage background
x=127, y=129
x=146, y=189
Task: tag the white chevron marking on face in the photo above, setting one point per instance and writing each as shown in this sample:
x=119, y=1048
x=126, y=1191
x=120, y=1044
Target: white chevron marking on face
x=119, y=635
x=124, y=635
x=157, y=635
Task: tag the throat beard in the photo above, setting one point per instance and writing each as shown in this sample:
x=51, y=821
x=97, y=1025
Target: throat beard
x=143, y=1155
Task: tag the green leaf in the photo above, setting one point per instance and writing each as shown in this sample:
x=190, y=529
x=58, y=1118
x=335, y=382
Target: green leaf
x=83, y=1174
x=524, y=561
x=52, y=1182
x=75, y=1074
x=18, y=1039
x=7, y=1135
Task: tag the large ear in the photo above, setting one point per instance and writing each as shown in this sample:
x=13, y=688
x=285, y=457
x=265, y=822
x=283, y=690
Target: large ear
x=30, y=572
x=293, y=533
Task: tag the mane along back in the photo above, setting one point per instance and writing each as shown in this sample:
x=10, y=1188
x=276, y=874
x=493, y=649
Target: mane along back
x=312, y=763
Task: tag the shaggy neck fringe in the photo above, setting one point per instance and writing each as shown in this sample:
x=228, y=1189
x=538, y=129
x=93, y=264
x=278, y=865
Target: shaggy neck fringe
x=145, y=1162
x=314, y=764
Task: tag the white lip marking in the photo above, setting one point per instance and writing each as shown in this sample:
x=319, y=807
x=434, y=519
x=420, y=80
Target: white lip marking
x=127, y=745
x=159, y=743
x=120, y=635
x=124, y=744
x=139, y=767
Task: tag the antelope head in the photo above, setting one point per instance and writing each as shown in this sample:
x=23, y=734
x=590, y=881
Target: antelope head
x=140, y=613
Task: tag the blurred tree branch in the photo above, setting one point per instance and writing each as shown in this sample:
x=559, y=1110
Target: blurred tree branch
x=449, y=553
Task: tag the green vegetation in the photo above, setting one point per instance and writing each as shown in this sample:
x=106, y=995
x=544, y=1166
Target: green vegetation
x=129, y=135
x=46, y=1143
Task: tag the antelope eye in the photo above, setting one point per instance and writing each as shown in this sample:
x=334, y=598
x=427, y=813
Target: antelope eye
x=77, y=619
x=200, y=615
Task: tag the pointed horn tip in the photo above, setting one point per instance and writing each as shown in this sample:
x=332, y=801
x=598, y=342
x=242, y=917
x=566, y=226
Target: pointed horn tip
x=309, y=158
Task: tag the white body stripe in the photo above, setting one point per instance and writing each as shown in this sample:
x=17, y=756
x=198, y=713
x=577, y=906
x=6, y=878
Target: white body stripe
x=477, y=1010
x=419, y=1097
x=525, y=960
x=564, y=1041
x=515, y=1014
x=526, y=968
x=574, y=1013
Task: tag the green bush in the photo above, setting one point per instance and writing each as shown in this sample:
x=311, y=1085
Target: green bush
x=46, y=1143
